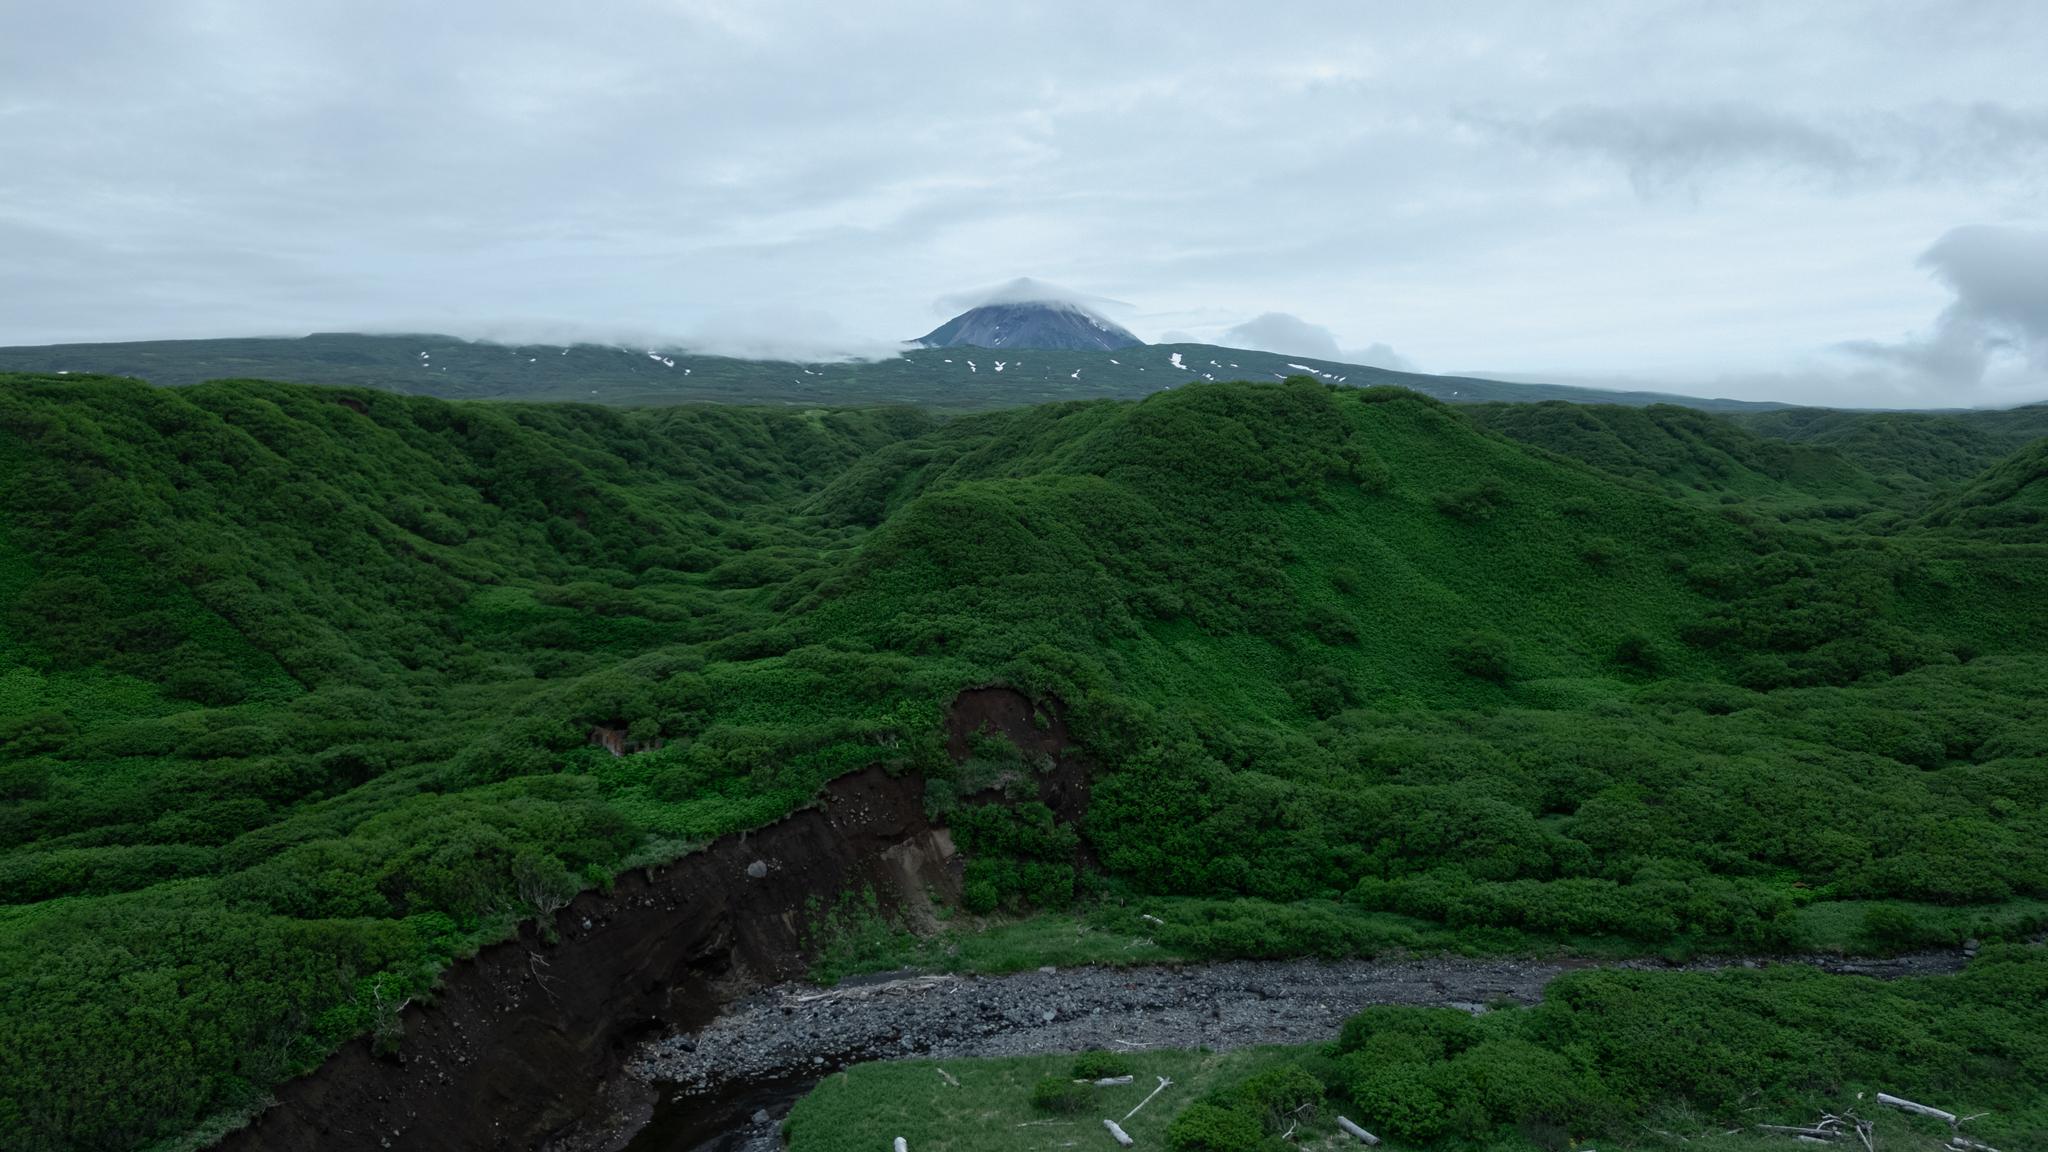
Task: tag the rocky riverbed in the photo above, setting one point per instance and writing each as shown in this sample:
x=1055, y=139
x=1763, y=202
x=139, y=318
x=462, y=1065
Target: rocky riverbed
x=800, y=1030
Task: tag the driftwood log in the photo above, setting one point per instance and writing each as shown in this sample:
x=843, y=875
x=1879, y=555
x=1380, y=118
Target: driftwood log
x=1118, y=1133
x=1908, y=1106
x=1355, y=1130
x=1163, y=1082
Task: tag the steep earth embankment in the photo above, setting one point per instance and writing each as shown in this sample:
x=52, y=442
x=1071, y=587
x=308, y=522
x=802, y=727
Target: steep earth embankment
x=525, y=1045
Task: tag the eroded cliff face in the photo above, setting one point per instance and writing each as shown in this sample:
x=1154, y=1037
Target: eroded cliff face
x=525, y=1045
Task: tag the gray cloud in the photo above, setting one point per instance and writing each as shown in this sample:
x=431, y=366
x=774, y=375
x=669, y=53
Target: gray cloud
x=795, y=334
x=2000, y=279
x=1380, y=356
x=1288, y=335
x=1988, y=348
x=652, y=171
x=1022, y=290
x=1666, y=146
x=1293, y=336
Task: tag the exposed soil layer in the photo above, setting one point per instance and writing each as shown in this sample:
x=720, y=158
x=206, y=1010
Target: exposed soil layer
x=524, y=1046
x=523, y=1042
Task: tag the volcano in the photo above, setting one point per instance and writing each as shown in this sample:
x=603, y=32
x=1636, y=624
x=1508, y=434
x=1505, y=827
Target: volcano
x=1043, y=324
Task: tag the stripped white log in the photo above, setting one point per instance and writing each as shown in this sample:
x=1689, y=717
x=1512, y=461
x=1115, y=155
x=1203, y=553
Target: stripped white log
x=949, y=1078
x=1355, y=1130
x=1152, y=918
x=1810, y=1140
x=1822, y=1132
x=1922, y=1109
x=1163, y=1082
x=902, y=1145
x=1113, y=1081
x=1971, y=1145
x=1122, y=1137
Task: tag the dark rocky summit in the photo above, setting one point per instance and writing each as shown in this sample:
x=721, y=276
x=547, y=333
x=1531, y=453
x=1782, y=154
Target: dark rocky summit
x=1048, y=324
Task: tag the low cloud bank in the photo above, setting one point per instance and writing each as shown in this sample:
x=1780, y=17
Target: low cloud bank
x=1290, y=335
x=785, y=334
x=791, y=334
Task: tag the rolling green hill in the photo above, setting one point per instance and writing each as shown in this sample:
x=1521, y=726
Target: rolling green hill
x=296, y=684
x=1910, y=450
x=962, y=379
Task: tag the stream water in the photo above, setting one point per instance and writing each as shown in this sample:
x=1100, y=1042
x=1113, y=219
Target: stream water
x=746, y=1118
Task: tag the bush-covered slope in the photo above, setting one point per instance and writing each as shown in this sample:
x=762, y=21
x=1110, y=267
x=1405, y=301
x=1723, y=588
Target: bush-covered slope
x=299, y=681
x=1933, y=449
x=1690, y=454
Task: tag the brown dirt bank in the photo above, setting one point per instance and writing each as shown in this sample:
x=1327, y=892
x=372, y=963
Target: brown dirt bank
x=525, y=1044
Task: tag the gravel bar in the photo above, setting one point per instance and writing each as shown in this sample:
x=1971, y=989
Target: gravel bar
x=801, y=1030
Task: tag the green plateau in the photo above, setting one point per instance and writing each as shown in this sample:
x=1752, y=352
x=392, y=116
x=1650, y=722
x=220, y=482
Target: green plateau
x=297, y=683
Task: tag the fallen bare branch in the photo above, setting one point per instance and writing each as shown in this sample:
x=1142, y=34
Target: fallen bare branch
x=1346, y=1124
x=1922, y=1109
x=1163, y=1082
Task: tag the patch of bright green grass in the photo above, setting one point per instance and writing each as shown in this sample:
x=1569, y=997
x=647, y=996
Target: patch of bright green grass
x=855, y=941
x=858, y=939
x=1840, y=925
x=982, y=1105
x=867, y=1106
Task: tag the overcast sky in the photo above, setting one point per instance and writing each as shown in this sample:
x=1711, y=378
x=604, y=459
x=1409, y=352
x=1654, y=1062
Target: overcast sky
x=1839, y=203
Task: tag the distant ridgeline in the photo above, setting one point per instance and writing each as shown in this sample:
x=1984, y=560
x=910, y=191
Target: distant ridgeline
x=297, y=683
x=955, y=378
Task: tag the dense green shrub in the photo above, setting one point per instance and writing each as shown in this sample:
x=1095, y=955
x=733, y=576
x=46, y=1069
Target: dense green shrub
x=1474, y=501
x=1891, y=925
x=1203, y=1127
x=1061, y=1095
x=1610, y=1044
x=1487, y=655
x=1016, y=853
x=1099, y=1065
x=1280, y=1094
